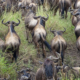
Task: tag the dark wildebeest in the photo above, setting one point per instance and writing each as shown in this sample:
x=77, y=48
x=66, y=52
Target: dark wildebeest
x=47, y=71
x=12, y=40
x=58, y=43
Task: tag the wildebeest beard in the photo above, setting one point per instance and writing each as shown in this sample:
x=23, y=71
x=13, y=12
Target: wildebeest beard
x=49, y=71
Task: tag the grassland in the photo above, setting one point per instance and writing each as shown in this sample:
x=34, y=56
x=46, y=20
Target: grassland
x=28, y=53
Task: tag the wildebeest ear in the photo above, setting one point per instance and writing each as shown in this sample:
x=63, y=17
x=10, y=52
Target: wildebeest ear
x=36, y=17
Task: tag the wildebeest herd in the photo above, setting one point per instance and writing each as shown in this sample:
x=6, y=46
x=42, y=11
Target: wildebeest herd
x=35, y=25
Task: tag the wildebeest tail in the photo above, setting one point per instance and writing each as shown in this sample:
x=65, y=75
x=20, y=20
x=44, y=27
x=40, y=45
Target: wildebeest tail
x=45, y=42
x=62, y=8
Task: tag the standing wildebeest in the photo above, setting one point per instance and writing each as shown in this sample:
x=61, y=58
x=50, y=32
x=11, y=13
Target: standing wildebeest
x=30, y=22
x=12, y=40
x=39, y=33
x=47, y=71
x=58, y=43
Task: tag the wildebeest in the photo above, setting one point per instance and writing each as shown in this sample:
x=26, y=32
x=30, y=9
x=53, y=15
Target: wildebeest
x=12, y=40
x=30, y=22
x=77, y=25
x=47, y=71
x=26, y=74
x=58, y=43
x=39, y=33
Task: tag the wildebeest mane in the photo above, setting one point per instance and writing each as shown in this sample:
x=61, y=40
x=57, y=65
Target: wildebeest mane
x=48, y=68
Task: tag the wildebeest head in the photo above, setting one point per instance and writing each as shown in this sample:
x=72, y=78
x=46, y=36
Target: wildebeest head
x=57, y=32
x=25, y=74
x=11, y=23
x=42, y=19
x=49, y=68
x=76, y=13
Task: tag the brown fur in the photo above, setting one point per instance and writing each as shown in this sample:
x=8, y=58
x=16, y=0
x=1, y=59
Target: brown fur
x=58, y=43
x=12, y=40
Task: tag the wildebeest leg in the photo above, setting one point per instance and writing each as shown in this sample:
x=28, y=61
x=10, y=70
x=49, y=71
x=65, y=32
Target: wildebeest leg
x=43, y=48
x=15, y=54
x=55, y=76
x=66, y=14
x=54, y=52
x=55, y=10
x=37, y=45
x=27, y=33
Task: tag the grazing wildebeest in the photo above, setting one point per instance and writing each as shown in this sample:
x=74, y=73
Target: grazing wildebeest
x=12, y=40
x=47, y=71
x=58, y=43
x=26, y=74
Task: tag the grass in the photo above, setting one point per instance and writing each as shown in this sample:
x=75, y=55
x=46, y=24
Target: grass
x=27, y=52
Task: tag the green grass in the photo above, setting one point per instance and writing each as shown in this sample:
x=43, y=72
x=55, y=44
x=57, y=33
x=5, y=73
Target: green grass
x=27, y=52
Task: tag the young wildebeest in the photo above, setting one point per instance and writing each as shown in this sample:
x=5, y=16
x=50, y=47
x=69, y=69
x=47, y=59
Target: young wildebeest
x=39, y=34
x=26, y=74
x=47, y=71
x=58, y=43
x=12, y=40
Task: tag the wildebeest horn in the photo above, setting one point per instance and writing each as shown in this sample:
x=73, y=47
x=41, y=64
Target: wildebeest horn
x=36, y=17
x=40, y=62
x=52, y=30
x=5, y=23
x=46, y=18
x=16, y=24
x=78, y=13
x=54, y=58
x=64, y=30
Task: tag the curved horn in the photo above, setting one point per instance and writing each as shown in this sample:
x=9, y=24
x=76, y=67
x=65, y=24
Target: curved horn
x=5, y=23
x=64, y=30
x=40, y=62
x=78, y=13
x=36, y=17
x=46, y=18
x=28, y=69
x=16, y=24
x=54, y=58
x=52, y=30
